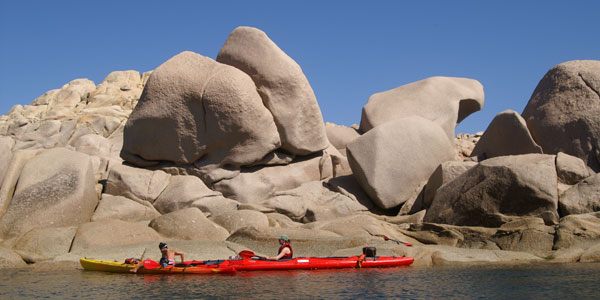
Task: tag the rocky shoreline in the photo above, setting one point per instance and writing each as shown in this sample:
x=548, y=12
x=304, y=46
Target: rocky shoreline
x=219, y=156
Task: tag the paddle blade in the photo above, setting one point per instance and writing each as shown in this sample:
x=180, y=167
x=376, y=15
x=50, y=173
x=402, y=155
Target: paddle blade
x=150, y=264
x=246, y=254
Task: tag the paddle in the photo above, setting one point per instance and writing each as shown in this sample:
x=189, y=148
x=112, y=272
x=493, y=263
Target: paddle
x=248, y=254
x=385, y=237
x=150, y=264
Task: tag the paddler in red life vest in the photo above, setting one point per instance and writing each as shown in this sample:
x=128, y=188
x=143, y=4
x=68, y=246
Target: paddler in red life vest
x=285, y=249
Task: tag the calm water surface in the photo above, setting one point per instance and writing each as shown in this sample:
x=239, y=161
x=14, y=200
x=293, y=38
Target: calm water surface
x=548, y=281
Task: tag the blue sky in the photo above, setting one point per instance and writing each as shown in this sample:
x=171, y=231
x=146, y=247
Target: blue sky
x=348, y=50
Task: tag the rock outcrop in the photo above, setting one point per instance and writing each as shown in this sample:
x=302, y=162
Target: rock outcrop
x=443, y=100
x=112, y=233
x=282, y=86
x=45, y=243
x=55, y=189
x=563, y=113
x=216, y=157
x=121, y=208
x=497, y=191
x=507, y=134
x=389, y=161
x=444, y=173
x=182, y=192
x=582, y=198
x=197, y=111
x=188, y=224
x=341, y=136
x=577, y=231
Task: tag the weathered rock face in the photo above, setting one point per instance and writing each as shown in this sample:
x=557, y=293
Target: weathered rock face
x=283, y=87
x=340, y=136
x=592, y=254
x=570, y=169
x=349, y=187
x=313, y=202
x=360, y=226
x=195, y=110
x=188, y=224
x=100, y=150
x=498, y=190
x=112, y=233
x=256, y=184
x=235, y=220
x=6, y=144
x=136, y=183
x=120, y=88
x=443, y=100
x=60, y=103
x=441, y=234
x=121, y=208
x=55, y=189
x=525, y=235
x=507, y=134
x=444, y=173
x=563, y=113
x=182, y=192
x=216, y=205
x=465, y=143
x=582, y=198
x=45, y=243
x=577, y=230
x=389, y=161
x=18, y=160
x=448, y=256
x=10, y=259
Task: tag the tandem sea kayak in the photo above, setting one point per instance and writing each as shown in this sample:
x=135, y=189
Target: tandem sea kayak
x=152, y=267
x=247, y=261
x=310, y=263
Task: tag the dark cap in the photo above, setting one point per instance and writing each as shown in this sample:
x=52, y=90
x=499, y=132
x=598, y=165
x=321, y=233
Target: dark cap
x=162, y=246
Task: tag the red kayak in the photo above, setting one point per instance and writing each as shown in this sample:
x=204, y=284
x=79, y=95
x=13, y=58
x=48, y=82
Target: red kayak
x=247, y=261
x=308, y=263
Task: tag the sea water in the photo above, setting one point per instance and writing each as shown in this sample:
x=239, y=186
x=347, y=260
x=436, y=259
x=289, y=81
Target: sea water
x=544, y=281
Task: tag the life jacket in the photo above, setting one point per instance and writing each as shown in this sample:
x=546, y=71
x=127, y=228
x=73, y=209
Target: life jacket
x=286, y=245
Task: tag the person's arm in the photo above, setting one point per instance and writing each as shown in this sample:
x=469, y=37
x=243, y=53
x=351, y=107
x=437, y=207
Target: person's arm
x=137, y=267
x=180, y=254
x=282, y=254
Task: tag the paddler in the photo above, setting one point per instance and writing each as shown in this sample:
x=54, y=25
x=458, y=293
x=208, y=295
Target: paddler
x=168, y=256
x=167, y=259
x=285, y=249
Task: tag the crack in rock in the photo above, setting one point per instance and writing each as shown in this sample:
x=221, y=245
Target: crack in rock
x=589, y=85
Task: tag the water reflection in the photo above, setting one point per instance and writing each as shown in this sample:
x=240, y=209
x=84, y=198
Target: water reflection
x=532, y=282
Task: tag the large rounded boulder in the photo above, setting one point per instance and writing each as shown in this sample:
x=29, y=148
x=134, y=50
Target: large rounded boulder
x=497, y=191
x=563, y=113
x=55, y=189
x=507, y=134
x=196, y=110
x=390, y=162
x=282, y=86
x=443, y=100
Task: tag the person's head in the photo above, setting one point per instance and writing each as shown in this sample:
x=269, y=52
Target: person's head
x=162, y=246
x=283, y=239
